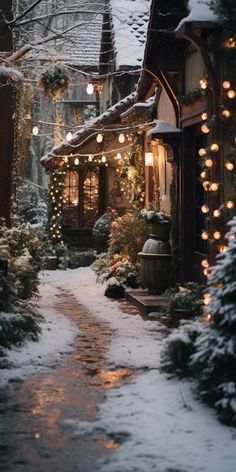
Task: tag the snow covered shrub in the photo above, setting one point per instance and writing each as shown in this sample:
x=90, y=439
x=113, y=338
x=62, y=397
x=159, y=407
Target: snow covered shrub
x=102, y=227
x=114, y=289
x=15, y=328
x=179, y=348
x=33, y=206
x=188, y=296
x=215, y=356
x=72, y=258
x=23, y=250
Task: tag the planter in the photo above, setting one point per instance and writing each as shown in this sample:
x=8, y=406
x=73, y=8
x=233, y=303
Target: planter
x=155, y=259
x=181, y=314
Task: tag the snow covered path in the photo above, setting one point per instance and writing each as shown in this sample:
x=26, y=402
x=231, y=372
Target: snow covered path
x=157, y=423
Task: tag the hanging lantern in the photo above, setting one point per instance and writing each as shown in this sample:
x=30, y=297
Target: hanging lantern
x=69, y=136
x=121, y=138
x=99, y=138
x=89, y=89
x=35, y=131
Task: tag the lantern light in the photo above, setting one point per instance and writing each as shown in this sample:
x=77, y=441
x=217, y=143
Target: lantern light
x=99, y=138
x=89, y=89
x=121, y=138
x=148, y=159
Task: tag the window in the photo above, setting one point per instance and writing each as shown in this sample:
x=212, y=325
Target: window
x=81, y=198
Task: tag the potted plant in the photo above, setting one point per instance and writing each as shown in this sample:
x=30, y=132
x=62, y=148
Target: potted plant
x=183, y=302
x=160, y=222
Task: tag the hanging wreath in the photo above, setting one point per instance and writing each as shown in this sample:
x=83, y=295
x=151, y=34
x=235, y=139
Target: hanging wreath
x=54, y=81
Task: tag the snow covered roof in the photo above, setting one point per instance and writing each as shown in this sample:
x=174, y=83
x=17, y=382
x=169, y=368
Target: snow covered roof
x=109, y=116
x=129, y=24
x=81, y=45
x=198, y=12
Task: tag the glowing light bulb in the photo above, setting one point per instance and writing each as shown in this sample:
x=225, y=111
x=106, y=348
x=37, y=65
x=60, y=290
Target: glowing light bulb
x=203, y=174
x=226, y=84
x=223, y=248
x=89, y=89
x=206, y=272
x=207, y=298
x=90, y=158
x=203, y=84
x=206, y=185
x=118, y=156
x=215, y=147
x=204, y=116
x=202, y=152
x=230, y=204
x=217, y=235
x=208, y=162
x=229, y=165
x=35, y=131
x=65, y=159
x=205, y=235
x=121, y=138
x=205, y=129
x=216, y=213
x=226, y=113
x=104, y=159
x=69, y=136
x=214, y=187
x=76, y=161
x=205, y=263
x=99, y=138
x=231, y=94
x=205, y=209
x=230, y=43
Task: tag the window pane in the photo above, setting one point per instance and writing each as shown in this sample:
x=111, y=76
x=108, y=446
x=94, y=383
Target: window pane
x=90, y=190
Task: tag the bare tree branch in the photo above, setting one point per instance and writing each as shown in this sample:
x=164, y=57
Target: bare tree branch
x=24, y=12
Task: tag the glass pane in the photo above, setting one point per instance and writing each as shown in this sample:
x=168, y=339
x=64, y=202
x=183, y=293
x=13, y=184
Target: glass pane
x=71, y=198
x=90, y=190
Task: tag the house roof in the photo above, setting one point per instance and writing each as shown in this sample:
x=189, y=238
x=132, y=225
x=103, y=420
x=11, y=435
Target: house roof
x=129, y=26
x=199, y=12
x=81, y=45
x=110, y=116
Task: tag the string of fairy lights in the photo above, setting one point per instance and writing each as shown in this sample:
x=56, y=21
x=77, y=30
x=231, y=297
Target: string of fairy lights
x=218, y=208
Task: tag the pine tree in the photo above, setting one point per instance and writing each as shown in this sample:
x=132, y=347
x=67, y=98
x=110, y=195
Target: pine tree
x=214, y=361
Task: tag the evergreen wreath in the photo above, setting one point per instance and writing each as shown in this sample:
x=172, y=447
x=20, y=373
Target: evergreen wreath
x=55, y=80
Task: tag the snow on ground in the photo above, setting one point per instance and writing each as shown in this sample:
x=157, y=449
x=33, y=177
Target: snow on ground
x=57, y=337
x=170, y=430
x=166, y=429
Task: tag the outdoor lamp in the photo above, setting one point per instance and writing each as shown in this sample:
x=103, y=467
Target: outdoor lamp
x=148, y=159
